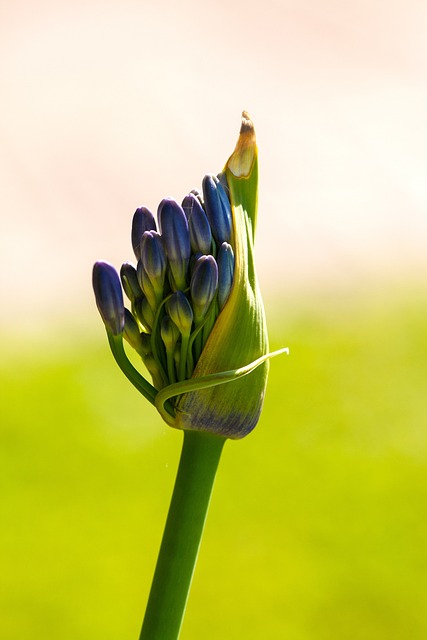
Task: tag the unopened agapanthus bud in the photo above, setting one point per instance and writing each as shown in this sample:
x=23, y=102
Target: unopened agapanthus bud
x=223, y=180
x=145, y=313
x=199, y=195
x=203, y=287
x=169, y=333
x=132, y=333
x=130, y=282
x=109, y=297
x=145, y=282
x=205, y=344
x=218, y=209
x=181, y=312
x=145, y=344
x=187, y=204
x=143, y=220
x=174, y=229
x=225, y=260
x=153, y=259
x=153, y=255
x=193, y=260
x=198, y=224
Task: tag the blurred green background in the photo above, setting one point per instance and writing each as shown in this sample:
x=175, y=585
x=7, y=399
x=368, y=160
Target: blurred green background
x=318, y=523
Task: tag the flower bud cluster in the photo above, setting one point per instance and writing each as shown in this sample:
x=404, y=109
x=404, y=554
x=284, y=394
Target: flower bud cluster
x=179, y=285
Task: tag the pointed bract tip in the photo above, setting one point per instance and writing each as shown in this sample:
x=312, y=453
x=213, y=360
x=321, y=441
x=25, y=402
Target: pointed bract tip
x=247, y=124
x=242, y=159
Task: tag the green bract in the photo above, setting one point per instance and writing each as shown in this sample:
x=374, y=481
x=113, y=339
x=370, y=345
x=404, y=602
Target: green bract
x=197, y=317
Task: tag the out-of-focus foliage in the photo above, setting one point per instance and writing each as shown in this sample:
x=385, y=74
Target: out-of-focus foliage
x=318, y=521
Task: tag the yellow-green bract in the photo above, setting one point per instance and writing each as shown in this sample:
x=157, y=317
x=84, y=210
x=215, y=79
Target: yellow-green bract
x=239, y=335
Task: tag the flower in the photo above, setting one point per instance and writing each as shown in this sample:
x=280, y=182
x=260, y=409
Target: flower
x=197, y=318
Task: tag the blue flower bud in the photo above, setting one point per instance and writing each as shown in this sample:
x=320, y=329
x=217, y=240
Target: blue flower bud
x=147, y=313
x=144, y=313
x=225, y=259
x=198, y=225
x=187, y=204
x=204, y=283
x=152, y=288
x=145, y=344
x=143, y=220
x=181, y=312
x=146, y=285
x=132, y=333
x=130, y=282
x=197, y=194
x=109, y=296
x=154, y=260
x=174, y=229
x=223, y=180
x=169, y=333
x=218, y=209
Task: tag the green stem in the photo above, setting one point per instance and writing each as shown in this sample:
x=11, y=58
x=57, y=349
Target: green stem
x=185, y=339
x=143, y=386
x=200, y=456
x=138, y=381
x=171, y=366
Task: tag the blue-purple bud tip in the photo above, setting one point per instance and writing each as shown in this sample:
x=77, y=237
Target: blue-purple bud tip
x=176, y=238
x=131, y=332
x=143, y=220
x=174, y=229
x=218, y=209
x=225, y=260
x=169, y=333
x=130, y=282
x=153, y=256
x=109, y=297
x=198, y=224
x=181, y=312
x=204, y=283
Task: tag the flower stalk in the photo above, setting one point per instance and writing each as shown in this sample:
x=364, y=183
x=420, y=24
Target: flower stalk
x=199, y=461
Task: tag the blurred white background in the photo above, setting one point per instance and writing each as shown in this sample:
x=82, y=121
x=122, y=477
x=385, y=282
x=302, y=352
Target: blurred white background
x=106, y=105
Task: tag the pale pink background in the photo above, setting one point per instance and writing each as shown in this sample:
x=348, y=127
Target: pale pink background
x=107, y=105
